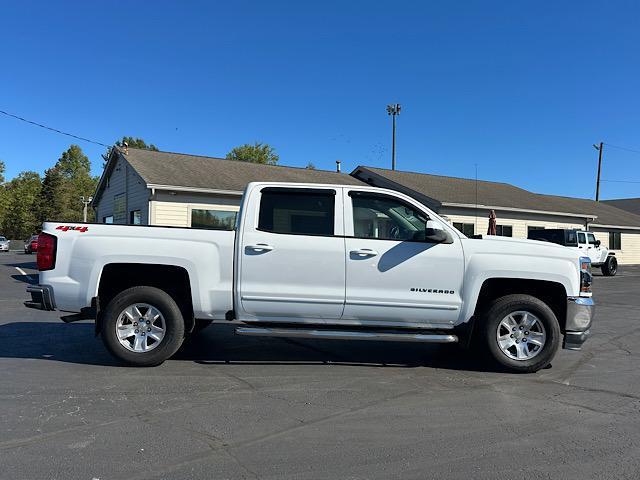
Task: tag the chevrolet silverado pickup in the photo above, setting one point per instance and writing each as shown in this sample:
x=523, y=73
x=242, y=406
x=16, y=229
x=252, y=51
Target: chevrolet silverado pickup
x=318, y=261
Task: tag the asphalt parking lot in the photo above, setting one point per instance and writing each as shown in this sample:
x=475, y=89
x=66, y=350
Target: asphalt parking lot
x=239, y=407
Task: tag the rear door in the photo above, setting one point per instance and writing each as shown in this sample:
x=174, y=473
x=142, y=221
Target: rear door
x=393, y=275
x=291, y=262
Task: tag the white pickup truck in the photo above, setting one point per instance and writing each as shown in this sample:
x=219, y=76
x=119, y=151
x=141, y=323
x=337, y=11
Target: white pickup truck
x=318, y=261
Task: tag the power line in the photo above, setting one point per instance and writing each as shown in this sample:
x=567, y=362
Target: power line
x=623, y=148
x=53, y=129
x=620, y=181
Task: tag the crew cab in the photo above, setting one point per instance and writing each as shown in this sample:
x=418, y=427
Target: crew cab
x=583, y=241
x=318, y=261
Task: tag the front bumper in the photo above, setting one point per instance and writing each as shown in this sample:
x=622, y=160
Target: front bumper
x=41, y=297
x=580, y=313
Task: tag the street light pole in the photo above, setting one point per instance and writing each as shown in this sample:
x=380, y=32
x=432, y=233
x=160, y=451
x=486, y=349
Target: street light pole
x=86, y=201
x=393, y=110
x=599, y=148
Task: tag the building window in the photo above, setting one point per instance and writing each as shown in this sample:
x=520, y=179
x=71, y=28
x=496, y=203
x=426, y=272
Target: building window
x=467, y=228
x=119, y=209
x=108, y=219
x=213, y=219
x=135, y=217
x=504, y=230
x=386, y=218
x=615, y=241
x=531, y=228
x=299, y=212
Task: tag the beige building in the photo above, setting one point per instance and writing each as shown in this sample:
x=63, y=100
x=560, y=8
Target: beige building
x=161, y=188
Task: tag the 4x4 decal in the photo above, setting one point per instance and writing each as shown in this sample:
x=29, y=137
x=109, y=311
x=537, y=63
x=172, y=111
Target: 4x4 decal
x=66, y=228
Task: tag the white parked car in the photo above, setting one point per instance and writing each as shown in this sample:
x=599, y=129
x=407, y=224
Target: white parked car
x=4, y=244
x=584, y=242
x=318, y=261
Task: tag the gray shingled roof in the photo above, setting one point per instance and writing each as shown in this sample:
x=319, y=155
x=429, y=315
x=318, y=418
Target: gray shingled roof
x=629, y=204
x=463, y=191
x=180, y=170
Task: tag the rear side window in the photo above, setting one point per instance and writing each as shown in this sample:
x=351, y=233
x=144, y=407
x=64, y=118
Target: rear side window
x=297, y=212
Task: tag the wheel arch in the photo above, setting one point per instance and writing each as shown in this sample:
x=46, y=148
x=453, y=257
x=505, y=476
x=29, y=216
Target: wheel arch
x=173, y=279
x=554, y=294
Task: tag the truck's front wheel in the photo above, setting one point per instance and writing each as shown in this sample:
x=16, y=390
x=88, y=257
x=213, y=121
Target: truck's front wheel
x=142, y=326
x=521, y=333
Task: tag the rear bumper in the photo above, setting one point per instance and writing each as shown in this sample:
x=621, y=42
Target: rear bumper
x=41, y=297
x=580, y=314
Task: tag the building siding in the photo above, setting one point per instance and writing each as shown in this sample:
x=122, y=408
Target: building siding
x=175, y=210
x=124, y=180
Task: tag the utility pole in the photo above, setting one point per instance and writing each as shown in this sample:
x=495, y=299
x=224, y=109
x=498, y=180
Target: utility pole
x=393, y=110
x=599, y=148
x=86, y=201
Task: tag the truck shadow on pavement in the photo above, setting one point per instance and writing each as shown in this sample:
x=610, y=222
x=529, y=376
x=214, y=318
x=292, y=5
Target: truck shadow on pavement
x=218, y=345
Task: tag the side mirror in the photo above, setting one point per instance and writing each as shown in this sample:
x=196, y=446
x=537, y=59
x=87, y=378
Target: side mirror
x=598, y=243
x=433, y=233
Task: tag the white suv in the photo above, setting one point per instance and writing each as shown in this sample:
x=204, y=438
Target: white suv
x=585, y=242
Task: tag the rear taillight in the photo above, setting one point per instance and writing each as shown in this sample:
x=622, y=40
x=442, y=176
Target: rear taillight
x=46, y=258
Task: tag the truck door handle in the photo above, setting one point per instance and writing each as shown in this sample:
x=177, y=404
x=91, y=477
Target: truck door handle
x=364, y=252
x=260, y=247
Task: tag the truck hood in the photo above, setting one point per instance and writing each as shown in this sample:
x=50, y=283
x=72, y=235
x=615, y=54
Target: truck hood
x=519, y=246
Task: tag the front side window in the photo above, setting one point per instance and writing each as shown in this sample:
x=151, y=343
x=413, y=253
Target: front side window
x=213, y=219
x=386, y=218
x=297, y=212
x=591, y=238
x=467, y=228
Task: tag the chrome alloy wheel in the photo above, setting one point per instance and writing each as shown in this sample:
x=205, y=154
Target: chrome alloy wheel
x=140, y=327
x=521, y=335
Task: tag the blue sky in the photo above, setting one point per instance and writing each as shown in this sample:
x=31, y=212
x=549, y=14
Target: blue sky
x=522, y=89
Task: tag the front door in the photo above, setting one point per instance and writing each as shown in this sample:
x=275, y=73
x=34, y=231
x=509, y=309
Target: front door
x=394, y=276
x=292, y=256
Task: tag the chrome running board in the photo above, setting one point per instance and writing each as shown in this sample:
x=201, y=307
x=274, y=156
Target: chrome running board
x=347, y=335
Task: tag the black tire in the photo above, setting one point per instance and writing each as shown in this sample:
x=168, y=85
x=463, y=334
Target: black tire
x=610, y=266
x=160, y=300
x=499, y=310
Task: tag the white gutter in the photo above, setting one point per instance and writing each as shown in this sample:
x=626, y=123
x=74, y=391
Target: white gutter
x=177, y=188
x=523, y=210
x=617, y=227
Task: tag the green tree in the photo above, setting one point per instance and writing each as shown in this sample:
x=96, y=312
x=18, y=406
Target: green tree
x=73, y=162
x=2, y=170
x=50, y=203
x=20, y=220
x=256, y=153
x=135, y=142
x=74, y=169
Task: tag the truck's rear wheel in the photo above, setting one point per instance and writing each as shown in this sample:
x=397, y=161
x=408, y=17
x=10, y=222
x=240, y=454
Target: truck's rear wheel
x=142, y=326
x=610, y=266
x=521, y=333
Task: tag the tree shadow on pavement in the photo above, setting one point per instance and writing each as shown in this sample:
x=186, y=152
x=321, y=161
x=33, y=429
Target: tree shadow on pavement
x=218, y=345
